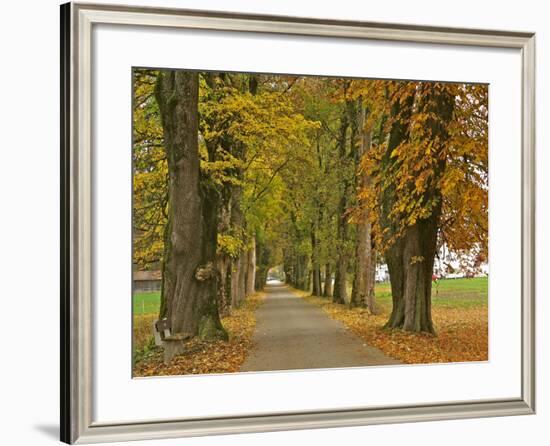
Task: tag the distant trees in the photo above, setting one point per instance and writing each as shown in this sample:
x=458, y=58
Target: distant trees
x=237, y=173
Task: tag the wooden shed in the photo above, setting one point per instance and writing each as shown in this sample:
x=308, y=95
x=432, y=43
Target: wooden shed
x=147, y=281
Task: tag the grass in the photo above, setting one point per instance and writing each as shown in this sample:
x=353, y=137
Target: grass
x=446, y=293
x=146, y=302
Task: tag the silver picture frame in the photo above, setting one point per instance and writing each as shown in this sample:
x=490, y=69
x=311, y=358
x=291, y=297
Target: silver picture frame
x=77, y=22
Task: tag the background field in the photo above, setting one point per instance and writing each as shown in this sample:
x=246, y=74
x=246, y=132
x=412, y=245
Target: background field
x=450, y=293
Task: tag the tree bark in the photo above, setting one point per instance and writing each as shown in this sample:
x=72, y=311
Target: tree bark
x=371, y=277
x=262, y=265
x=302, y=273
x=189, y=283
x=317, y=281
x=238, y=288
x=327, y=289
x=224, y=285
x=223, y=262
x=251, y=269
x=363, y=283
x=238, y=282
x=399, y=132
x=413, y=268
x=340, y=293
x=315, y=267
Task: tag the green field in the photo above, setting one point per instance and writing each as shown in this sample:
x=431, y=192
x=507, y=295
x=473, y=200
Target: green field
x=147, y=302
x=447, y=293
x=451, y=293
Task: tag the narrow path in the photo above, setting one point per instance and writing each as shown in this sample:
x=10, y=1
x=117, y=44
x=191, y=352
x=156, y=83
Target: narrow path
x=294, y=334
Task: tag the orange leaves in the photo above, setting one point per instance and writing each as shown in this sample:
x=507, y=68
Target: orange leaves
x=202, y=356
x=432, y=150
x=462, y=333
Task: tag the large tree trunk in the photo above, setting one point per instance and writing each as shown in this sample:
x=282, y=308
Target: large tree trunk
x=414, y=268
x=394, y=257
x=327, y=289
x=363, y=283
x=411, y=258
x=251, y=269
x=189, y=283
x=394, y=254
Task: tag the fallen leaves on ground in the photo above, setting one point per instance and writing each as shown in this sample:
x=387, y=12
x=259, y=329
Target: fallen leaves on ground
x=462, y=333
x=201, y=356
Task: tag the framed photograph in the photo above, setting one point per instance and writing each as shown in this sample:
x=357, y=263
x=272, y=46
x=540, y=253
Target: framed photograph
x=274, y=223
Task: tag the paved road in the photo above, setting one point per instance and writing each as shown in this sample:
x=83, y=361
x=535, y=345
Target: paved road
x=294, y=334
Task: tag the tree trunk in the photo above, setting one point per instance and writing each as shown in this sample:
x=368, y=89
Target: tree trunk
x=223, y=262
x=262, y=265
x=315, y=267
x=340, y=293
x=395, y=269
x=363, y=283
x=327, y=289
x=238, y=289
x=336, y=286
x=189, y=283
x=288, y=269
x=302, y=273
x=371, y=277
x=317, y=281
x=238, y=282
x=394, y=254
x=411, y=274
x=251, y=269
x=224, y=284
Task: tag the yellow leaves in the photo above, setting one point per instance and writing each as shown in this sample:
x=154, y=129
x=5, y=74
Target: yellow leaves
x=221, y=171
x=254, y=120
x=416, y=259
x=230, y=245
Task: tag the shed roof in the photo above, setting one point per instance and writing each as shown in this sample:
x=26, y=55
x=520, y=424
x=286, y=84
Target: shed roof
x=147, y=275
